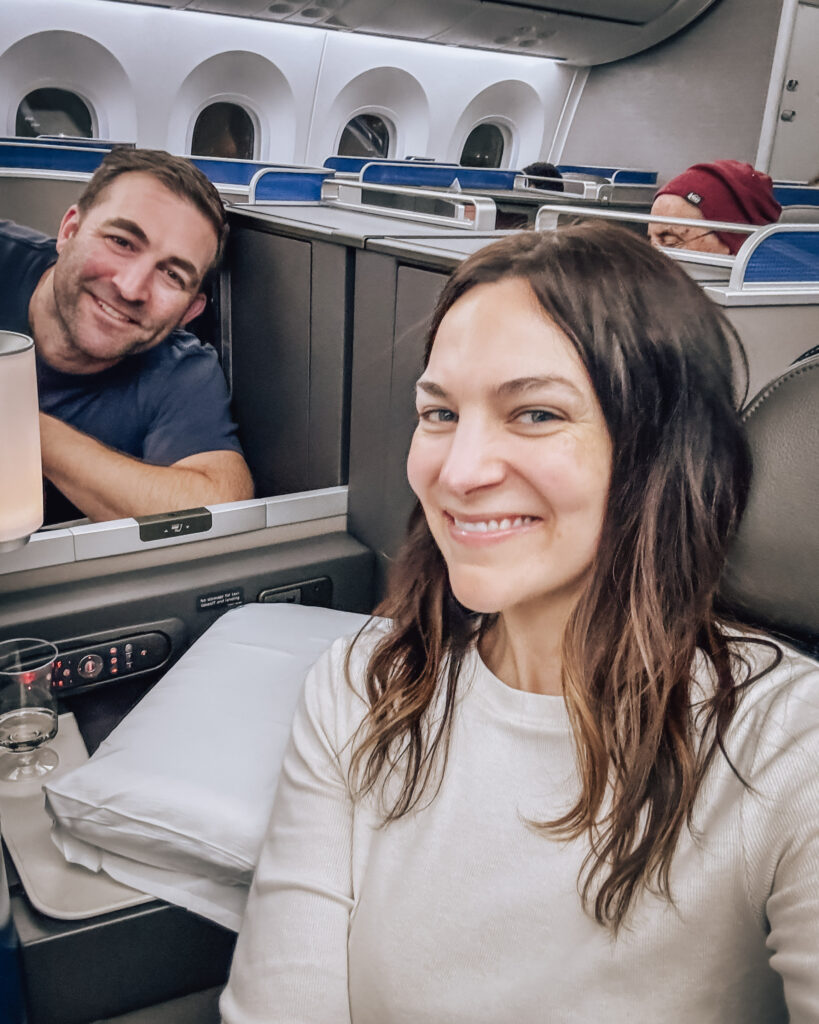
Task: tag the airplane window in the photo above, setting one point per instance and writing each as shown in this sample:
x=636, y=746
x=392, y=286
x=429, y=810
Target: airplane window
x=226, y=130
x=53, y=112
x=483, y=147
x=365, y=135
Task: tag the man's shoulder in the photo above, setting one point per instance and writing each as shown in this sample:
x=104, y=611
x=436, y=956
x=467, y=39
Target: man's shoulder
x=181, y=344
x=18, y=236
x=181, y=351
x=25, y=255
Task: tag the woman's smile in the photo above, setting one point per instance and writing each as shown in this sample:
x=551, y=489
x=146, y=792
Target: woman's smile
x=488, y=528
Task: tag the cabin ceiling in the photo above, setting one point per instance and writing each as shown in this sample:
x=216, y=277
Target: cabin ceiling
x=582, y=32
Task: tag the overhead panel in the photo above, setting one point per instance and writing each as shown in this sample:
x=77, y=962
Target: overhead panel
x=582, y=32
x=634, y=12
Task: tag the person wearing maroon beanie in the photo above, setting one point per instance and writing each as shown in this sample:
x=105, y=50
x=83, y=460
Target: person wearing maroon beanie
x=725, y=190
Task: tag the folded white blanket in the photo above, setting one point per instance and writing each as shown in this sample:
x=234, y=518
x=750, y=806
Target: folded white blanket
x=176, y=800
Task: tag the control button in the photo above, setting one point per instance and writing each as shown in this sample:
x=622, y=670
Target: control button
x=90, y=666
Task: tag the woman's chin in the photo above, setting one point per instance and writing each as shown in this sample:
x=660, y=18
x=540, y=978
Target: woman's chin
x=478, y=599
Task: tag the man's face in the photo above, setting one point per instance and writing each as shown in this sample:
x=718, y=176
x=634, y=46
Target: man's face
x=677, y=236
x=129, y=270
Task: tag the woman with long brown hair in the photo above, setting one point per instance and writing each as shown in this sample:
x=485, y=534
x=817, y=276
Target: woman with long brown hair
x=559, y=783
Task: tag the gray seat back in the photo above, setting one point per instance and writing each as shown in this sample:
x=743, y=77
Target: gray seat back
x=772, y=575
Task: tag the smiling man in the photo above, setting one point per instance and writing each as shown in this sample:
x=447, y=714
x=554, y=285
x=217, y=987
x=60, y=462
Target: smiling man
x=134, y=410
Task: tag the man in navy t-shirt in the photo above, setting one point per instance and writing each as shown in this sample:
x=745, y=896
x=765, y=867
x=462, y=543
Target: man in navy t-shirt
x=134, y=411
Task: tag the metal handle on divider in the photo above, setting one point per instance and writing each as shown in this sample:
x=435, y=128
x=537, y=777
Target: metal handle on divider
x=348, y=194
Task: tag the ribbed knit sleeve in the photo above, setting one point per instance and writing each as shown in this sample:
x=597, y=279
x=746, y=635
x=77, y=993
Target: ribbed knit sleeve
x=780, y=822
x=291, y=958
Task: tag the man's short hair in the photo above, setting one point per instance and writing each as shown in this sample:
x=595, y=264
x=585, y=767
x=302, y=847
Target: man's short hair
x=176, y=173
x=542, y=169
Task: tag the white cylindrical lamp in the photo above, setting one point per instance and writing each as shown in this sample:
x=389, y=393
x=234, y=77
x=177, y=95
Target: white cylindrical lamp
x=21, y=474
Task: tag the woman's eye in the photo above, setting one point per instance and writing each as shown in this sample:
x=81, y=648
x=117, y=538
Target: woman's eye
x=537, y=416
x=437, y=416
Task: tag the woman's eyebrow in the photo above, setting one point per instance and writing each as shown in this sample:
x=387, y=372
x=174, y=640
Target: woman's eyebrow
x=516, y=386
x=431, y=388
x=521, y=385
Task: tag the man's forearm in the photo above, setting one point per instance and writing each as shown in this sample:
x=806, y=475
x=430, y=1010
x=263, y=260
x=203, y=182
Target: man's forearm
x=105, y=484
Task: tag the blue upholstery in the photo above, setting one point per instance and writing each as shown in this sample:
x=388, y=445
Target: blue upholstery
x=40, y=157
x=228, y=172
x=621, y=175
x=353, y=164
x=796, y=195
x=787, y=256
x=437, y=175
x=295, y=186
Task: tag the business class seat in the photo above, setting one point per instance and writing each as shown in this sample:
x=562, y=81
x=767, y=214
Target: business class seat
x=772, y=575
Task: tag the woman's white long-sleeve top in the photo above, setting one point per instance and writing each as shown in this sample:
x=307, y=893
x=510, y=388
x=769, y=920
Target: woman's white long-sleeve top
x=461, y=912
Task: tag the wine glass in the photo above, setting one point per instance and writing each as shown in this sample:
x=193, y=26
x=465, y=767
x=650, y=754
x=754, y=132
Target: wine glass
x=28, y=710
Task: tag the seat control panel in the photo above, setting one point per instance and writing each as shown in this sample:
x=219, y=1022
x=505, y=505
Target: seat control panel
x=79, y=665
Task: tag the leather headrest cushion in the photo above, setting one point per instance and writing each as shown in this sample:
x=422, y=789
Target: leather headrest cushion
x=773, y=566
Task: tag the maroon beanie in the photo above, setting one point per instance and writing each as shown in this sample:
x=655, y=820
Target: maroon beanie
x=727, y=190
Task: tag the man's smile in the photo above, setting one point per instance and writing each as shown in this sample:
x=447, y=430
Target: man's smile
x=115, y=314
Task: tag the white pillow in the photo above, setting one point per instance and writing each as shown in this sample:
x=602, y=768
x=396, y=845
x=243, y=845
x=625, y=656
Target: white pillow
x=186, y=781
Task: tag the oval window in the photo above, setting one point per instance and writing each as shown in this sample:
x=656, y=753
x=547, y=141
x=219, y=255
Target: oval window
x=365, y=135
x=483, y=147
x=53, y=112
x=225, y=130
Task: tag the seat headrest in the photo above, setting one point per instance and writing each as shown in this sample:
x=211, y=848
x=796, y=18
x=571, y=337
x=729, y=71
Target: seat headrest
x=797, y=214
x=772, y=575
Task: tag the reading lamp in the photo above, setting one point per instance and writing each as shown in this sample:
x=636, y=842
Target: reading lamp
x=21, y=478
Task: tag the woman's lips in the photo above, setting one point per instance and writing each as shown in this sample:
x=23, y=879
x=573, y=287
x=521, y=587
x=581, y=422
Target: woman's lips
x=492, y=526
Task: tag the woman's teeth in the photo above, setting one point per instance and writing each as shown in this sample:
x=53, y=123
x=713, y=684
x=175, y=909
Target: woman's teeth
x=491, y=525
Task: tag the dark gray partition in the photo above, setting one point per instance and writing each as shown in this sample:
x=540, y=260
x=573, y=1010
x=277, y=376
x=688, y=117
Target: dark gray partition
x=38, y=199
x=397, y=284
x=288, y=293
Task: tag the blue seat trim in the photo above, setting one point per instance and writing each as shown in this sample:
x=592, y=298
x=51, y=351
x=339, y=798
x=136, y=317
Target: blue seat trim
x=791, y=256
x=796, y=195
x=620, y=175
x=228, y=172
x=299, y=186
x=353, y=164
x=437, y=176
x=39, y=157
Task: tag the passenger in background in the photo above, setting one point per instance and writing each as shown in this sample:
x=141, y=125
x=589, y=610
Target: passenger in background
x=135, y=412
x=559, y=783
x=545, y=170
x=724, y=190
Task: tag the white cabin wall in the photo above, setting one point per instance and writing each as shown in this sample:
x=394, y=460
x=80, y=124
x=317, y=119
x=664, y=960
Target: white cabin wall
x=148, y=71
x=164, y=55
x=699, y=96
x=435, y=95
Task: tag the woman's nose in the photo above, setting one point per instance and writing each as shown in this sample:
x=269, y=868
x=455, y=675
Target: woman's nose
x=473, y=460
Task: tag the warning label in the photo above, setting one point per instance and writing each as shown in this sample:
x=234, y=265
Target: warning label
x=223, y=599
